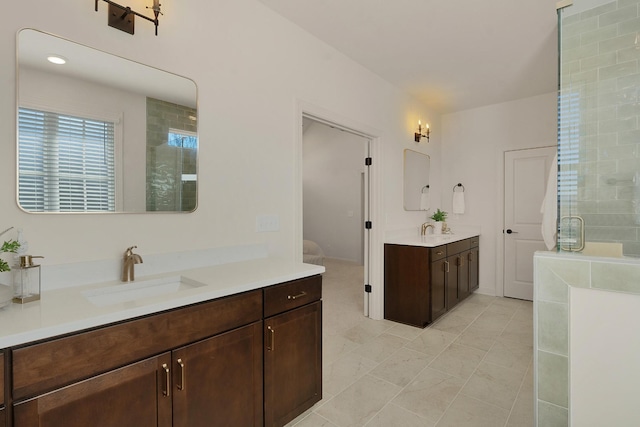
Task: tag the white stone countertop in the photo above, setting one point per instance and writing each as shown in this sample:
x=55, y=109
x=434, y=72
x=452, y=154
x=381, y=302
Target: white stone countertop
x=430, y=240
x=67, y=310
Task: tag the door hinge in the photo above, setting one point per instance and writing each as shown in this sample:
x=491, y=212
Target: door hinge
x=368, y=161
x=367, y=288
x=368, y=225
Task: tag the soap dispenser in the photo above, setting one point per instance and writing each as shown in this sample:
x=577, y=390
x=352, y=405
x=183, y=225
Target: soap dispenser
x=26, y=280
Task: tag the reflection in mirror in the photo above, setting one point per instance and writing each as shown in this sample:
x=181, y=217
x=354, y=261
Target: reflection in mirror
x=100, y=133
x=416, y=181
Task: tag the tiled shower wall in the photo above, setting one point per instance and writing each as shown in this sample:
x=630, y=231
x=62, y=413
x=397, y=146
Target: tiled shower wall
x=165, y=165
x=599, y=130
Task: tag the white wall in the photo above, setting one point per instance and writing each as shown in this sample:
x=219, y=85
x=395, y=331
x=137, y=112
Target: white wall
x=333, y=167
x=473, y=146
x=605, y=350
x=253, y=69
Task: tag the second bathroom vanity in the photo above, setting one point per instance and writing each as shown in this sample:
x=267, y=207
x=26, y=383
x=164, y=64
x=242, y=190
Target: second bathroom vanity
x=425, y=276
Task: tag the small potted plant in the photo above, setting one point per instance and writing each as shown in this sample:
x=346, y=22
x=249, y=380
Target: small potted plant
x=438, y=217
x=6, y=292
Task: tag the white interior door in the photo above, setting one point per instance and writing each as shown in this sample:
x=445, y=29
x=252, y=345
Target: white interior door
x=525, y=180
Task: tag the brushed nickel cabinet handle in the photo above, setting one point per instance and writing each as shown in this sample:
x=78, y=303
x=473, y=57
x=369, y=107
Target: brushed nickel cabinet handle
x=460, y=261
x=181, y=365
x=272, y=337
x=446, y=266
x=439, y=253
x=470, y=256
x=167, y=380
x=300, y=295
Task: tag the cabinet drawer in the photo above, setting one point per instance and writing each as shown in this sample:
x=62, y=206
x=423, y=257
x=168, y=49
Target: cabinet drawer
x=52, y=364
x=474, y=242
x=438, y=252
x=280, y=298
x=457, y=247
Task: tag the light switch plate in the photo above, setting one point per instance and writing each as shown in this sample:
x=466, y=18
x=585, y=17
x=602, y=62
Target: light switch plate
x=266, y=223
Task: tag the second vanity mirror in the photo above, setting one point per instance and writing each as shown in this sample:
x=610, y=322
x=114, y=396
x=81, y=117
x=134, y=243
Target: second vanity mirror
x=100, y=133
x=416, y=181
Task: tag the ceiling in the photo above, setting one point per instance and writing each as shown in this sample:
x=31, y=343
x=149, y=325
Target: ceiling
x=451, y=55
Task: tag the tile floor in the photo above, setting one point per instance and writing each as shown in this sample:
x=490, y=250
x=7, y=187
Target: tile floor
x=473, y=367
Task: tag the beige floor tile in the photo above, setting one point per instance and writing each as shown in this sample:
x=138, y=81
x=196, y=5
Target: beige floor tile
x=469, y=412
x=510, y=354
x=429, y=394
x=313, y=420
x=432, y=341
x=452, y=323
x=458, y=360
x=477, y=337
x=495, y=385
x=360, y=402
x=381, y=347
x=395, y=416
x=380, y=373
x=402, y=366
x=345, y=371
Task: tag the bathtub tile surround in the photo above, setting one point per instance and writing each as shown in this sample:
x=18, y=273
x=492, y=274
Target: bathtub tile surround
x=556, y=274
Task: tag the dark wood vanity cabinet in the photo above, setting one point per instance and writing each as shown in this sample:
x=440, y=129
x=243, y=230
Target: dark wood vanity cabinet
x=292, y=350
x=421, y=283
x=3, y=412
x=200, y=365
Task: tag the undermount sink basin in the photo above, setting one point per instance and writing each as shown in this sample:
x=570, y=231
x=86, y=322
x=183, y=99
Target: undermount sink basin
x=117, y=294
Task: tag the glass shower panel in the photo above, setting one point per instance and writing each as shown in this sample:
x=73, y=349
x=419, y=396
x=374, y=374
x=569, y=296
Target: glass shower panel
x=599, y=126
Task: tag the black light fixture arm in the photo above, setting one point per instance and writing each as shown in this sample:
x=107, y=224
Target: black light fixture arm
x=126, y=10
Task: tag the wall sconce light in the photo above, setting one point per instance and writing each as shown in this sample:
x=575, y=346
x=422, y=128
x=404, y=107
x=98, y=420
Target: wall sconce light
x=123, y=17
x=420, y=133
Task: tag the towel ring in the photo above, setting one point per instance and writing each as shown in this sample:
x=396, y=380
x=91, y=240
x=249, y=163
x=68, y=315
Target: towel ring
x=426, y=186
x=458, y=185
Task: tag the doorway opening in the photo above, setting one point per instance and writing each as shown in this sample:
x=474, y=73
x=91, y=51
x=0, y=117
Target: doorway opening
x=336, y=197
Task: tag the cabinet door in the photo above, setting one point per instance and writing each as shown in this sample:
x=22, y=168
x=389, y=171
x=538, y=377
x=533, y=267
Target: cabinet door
x=406, y=284
x=132, y=396
x=463, y=275
x=438, y=288
x=473, y=269
x=292, y=363
x=218, y=381
x=452, y=282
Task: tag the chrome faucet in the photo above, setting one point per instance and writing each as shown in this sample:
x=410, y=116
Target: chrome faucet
x=423, y=229
x=130, y=259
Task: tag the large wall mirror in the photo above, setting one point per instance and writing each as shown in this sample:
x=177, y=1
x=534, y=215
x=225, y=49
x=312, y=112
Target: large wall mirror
x=100, y=133
x=416, y=181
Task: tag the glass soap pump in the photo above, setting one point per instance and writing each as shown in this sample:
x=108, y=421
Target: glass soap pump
x=26, y=280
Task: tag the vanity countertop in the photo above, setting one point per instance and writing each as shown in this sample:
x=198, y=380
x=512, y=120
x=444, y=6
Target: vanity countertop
x=430, y=240
x=67, y=310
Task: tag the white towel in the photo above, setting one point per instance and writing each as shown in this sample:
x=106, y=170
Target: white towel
x=458, y=202
x=549, y=209
x=424, y=201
